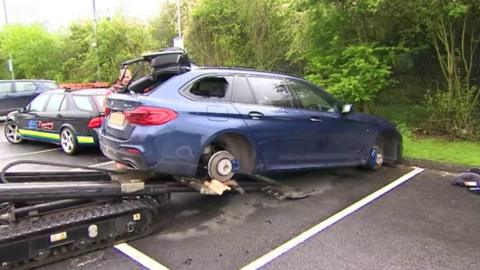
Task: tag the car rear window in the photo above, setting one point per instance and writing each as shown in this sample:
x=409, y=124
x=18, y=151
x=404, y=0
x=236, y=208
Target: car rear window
x=83, y=103
x=25, y=87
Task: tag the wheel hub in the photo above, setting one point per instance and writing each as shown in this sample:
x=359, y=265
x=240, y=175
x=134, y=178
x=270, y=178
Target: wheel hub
x=220, y=166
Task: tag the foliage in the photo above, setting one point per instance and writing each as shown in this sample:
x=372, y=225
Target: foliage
x=35, y=51
x=238, y=33
x=456, y=152
x=163, y=27
x=119, y=39
x=357, y=75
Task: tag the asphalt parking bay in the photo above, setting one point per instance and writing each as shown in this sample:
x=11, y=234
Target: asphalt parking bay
x=423, y=223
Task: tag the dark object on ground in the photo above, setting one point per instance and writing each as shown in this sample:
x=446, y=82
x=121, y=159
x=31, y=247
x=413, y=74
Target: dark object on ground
x=468, y=179
x=475, y=170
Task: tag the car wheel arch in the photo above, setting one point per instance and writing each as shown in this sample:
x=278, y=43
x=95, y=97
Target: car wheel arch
x=241, y=147
x=389, y=145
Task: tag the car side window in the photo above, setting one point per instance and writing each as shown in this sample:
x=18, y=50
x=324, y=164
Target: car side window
x=83, y=103
x=210, y=88
x=310, y=97
x=25, y=87
x=38, y=103
x=54, y=103
x=242, y=92
x=270, y=91
x=5, y=88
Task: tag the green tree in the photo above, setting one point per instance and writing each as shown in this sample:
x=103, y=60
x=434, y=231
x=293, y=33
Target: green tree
x=118, y=39
x=35, y=52
x=164, y=26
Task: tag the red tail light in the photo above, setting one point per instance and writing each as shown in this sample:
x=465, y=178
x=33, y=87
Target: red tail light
x=147, y=116
x=107, y=111
x=95, y=122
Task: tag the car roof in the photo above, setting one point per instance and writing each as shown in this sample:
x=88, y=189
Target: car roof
x=27, y=80
x=245, y=71
x=81, y=92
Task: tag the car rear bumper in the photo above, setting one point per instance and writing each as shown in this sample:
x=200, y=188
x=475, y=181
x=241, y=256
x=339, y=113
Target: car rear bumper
x=118, y=152
x=157, y=149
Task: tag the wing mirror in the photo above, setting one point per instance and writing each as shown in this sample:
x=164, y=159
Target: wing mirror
x=22, y=110
x=347, y=108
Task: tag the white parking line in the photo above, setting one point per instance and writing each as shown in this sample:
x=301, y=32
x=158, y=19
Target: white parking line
x=139, y=257
x=277, y=252
x=30, y=153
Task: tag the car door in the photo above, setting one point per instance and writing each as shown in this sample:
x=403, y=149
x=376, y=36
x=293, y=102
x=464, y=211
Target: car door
x=28, y=122
x=337, y=138
x=24, y=92
x=6, y=91
x=266, y=107
x=49, y=120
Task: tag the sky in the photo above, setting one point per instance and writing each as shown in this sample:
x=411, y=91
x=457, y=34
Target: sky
x=57, y=14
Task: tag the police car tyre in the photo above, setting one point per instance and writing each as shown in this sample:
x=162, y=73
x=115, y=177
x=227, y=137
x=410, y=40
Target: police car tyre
x=68, y=141
x=220, y=166
x=11, y=133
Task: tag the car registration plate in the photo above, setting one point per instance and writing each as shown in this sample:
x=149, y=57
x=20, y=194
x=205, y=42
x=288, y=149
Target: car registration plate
x=116, y=119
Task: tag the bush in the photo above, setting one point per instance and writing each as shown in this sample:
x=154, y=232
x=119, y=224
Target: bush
x=459, y=116
x=357, y=75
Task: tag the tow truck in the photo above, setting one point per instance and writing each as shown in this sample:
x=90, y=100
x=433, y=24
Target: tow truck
x=53, y=215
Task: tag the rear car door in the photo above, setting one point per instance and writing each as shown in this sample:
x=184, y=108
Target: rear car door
x=49, y=120
x=266, y=107
x=6, y=91
x=337, y=139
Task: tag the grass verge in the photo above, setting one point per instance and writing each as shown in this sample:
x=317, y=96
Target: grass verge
x=455, y=152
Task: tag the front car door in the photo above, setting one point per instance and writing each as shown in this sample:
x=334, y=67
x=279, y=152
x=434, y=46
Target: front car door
x=338, y=139
x=29, y=125
x=265, y=104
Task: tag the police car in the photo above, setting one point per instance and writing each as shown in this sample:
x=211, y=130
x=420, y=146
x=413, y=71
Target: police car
x=65, y=117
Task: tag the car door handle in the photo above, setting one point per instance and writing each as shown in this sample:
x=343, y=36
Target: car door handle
x=315, y=119
x=256, y=115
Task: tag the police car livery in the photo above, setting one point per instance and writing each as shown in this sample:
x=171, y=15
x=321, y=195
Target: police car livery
x=68, y=118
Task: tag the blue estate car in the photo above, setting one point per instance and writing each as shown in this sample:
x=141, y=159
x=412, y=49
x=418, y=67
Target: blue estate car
x=214, y=122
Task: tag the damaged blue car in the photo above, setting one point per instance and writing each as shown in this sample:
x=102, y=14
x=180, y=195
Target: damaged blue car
x=215, y=122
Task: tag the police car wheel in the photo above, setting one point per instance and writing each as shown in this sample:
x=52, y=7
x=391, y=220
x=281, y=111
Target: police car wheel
x=68, y=141
x=220, y=166
x=12, y=134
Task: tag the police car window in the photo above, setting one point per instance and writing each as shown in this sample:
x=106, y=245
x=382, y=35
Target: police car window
x=54, y=103
x=38, y=103
x=5, y=88
x=83, y=103
x=242, y=91
x=212, y=88
x=270, y=91
x=25, y=87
